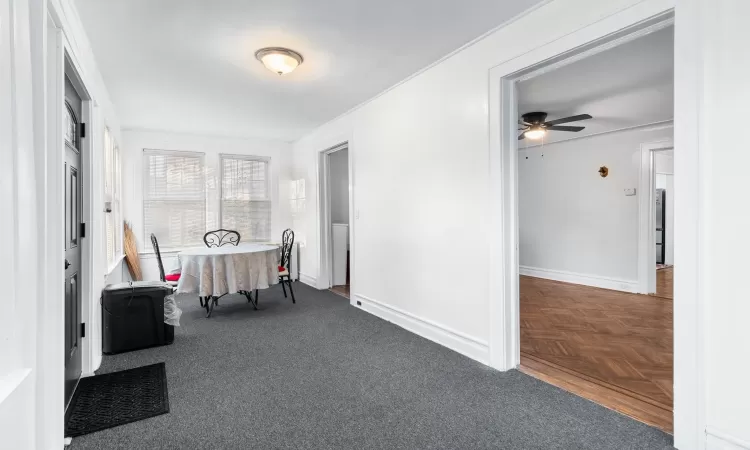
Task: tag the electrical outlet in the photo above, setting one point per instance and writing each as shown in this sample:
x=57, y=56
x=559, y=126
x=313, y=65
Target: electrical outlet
x=629, y=192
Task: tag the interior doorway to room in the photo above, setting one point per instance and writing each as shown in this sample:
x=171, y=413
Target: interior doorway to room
x=585, y=324
x=662, y=173
x=73, y=134
x=337, y=193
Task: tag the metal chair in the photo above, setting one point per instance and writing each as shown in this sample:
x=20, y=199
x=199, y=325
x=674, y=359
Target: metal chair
x=287, y=242
x=172, y=278
x=221, y=237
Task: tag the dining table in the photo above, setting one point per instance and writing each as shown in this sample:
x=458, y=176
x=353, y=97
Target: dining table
x=212, y=272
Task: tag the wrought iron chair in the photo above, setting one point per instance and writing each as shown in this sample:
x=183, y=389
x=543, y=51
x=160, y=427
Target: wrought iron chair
x=287, y=242
x=171, y=278
x=221, y=237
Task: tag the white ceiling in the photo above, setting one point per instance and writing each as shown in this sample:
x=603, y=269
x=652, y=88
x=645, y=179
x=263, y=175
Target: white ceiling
x=188, y=65
x=626, y=86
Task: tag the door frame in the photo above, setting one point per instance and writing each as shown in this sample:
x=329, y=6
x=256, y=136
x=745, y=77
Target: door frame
x=504, y=342
x=325, y=274
x=647, y=216
x=61, y=53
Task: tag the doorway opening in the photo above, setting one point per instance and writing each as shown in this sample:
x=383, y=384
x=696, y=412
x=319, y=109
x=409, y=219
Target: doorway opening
x=657, y=248
x=336, y=211
x=584, y=323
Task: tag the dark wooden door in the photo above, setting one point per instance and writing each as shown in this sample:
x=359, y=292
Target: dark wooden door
x=73, y=184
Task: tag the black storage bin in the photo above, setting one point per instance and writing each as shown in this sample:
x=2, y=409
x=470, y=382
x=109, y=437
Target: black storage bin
x=133, y=316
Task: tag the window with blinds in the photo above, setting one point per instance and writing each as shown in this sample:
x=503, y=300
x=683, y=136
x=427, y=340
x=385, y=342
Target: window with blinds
x=174, y=198
x=245, y=197
x=297, y=198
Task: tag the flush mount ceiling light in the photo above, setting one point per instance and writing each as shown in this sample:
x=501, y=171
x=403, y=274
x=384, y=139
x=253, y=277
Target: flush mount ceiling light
x=279, y=60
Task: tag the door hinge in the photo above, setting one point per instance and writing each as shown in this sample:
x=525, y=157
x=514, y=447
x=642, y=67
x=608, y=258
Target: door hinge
x=83, y=230
x=83, y=330
x=83, y=130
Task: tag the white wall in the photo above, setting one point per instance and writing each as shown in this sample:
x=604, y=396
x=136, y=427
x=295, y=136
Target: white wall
x=31, y=376
x=21, y=374
x=725, y=241
x=134, y=141
x=339, y=178
x=420, y=177
x=574, y=223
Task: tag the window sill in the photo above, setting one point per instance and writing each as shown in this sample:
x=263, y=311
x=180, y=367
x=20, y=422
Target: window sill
x=164, y=254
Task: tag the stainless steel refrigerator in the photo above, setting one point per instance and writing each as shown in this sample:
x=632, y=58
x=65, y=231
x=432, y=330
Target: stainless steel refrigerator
x=661, y=225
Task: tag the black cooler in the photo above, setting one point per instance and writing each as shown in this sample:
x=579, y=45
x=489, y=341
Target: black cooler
x=133, y=316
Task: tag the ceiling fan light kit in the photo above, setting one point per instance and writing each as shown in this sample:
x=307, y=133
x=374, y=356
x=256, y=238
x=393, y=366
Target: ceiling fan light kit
x=536, y=126
x=279, y=60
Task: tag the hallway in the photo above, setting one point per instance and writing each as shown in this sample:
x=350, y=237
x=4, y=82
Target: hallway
x=323, y=374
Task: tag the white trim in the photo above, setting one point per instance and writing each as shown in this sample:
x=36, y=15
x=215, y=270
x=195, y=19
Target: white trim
x=164, y=254
x=308, y=280
x=466, y=345
x=646, y=216
x=654, y=126
x=116, y=262
x=52, y=329
x=324, y=220
x=718, y=440
x=614, y=284
x=595, y=48
x=12, y=381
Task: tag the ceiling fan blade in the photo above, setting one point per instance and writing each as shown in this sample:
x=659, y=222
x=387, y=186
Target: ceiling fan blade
x=568, y=119
x=564, y=128
x=522, y=136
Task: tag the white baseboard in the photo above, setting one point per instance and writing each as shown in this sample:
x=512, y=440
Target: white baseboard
x=580, y=278
x=469, y=346
x=717, y=440
x=308, y=280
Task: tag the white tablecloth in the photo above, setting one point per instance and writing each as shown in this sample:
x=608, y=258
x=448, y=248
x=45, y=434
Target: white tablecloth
x=223, y=270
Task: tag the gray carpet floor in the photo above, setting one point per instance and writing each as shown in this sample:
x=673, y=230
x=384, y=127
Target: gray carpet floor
x=322, y=374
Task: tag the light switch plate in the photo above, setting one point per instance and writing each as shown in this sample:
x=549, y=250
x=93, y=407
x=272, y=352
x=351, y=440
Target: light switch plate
x=629, y=192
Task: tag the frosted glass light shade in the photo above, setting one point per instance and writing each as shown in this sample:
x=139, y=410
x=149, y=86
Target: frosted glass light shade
x=279, y=60
x=535, y=133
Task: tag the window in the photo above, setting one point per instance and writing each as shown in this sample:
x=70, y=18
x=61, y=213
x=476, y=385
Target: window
x=174, y=198
x=245, y=197
x=113, y=211
x=297, y=198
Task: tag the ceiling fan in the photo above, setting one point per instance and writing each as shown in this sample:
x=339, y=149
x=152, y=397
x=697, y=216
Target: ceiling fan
x=535, y=127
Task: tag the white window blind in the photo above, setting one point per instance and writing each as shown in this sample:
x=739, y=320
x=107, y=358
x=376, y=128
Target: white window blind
x=245, y=197
x=297, y=198
x=174, y=198
x=112, y=189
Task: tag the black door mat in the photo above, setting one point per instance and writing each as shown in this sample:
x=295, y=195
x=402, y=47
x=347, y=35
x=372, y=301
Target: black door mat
x=117, y=398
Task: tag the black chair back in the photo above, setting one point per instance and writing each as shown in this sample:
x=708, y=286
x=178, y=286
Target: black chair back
x=155, y=244
x=287, y=242
x=221, y=237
